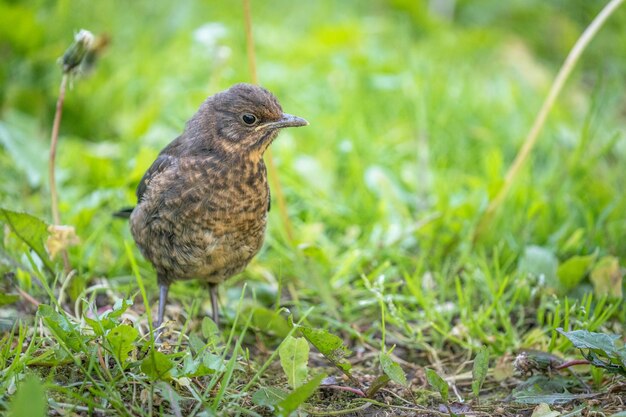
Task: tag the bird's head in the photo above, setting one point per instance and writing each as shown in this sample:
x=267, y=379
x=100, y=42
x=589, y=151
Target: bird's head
x=246, y=119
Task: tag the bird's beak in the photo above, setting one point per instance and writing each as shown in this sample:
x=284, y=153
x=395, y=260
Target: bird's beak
x=287, y=120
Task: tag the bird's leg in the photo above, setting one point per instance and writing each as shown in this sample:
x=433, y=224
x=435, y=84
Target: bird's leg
x=163, y=290
x=214, y=305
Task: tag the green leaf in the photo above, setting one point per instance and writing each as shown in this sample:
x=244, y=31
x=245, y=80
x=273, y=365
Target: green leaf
x=582, y=339
x=65, y=331
x=20, y=136
x=157, y=365
x=8, y=299
x=543, y=410
x=210, y=331
x=606, y=277
x=213, y=362
x=543, y=389
x=599, y=349
x=437, y=383
x=202, y=365
x=269, y=397
x=294, y=358
x=119, y=308
x=329, y=345
x=298, y=396
x=269, y=321
x=378, y=383
x=479, y=370
x=392, y=369
x=110, y=318
x=169, y=394
x=30, y=399
x=30, y=230
x=121, y=339
x=196, y=343
x=572, y=271
x=539, y=261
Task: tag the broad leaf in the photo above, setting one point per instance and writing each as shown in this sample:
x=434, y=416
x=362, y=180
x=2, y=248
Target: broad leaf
x=294, y=358
x=157, y=365
x=269, y=321
x=65, y=331
x=121, y=340
x=110, y=318
x=298, y=396
x=30, y=230
x=479, y=370
x=119, y=308
x=8, y=299
x=549, y=390
x=539, y=261
x=572, y=271
x=269, y=397
x=606, y=277
x=196, y=343
x=377, y=384
x=392, y=369
x=20, y=137
x=206, y=363
x=543, y=410
x=30, y=399
x=329, y=345
x=213, y=362
x=437, y=383
x=582, y=339
x=210, y=332
x=599, y=349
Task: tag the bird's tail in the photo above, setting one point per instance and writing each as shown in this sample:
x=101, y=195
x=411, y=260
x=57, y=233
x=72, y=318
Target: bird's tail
x=124, y=213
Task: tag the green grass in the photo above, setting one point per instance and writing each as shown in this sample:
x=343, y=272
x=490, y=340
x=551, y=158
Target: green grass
x=414, y=120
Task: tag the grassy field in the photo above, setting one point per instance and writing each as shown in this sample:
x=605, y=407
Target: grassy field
x=374, y=295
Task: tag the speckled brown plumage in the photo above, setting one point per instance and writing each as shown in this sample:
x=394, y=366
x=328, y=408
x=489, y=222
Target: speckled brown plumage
x=202, y=205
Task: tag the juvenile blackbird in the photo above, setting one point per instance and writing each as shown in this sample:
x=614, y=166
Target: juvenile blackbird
x=202, y=205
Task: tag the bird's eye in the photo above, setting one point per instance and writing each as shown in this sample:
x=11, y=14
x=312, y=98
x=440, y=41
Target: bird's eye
x=249, y=118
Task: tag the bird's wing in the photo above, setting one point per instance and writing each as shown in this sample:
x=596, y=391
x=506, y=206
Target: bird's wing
x=161, y=164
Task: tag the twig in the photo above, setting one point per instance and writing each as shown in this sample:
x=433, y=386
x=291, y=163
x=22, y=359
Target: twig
x=555, y=89
x=576, y=362
x=56, y=217
x=354, y=411
x=27, y=297
x=271, y=167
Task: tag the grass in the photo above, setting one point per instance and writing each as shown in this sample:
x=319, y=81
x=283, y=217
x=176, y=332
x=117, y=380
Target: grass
x=414, y=121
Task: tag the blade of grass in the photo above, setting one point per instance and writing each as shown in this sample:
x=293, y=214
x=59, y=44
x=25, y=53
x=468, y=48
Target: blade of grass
x=555, y=89
x=272, y=357
x=271, y=167
x=142, y=288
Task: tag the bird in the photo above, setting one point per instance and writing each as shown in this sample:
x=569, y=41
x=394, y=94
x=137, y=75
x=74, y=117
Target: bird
x=202, y=205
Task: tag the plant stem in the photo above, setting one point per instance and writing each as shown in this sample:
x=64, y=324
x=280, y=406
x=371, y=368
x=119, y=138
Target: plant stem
x=271, y=167
x=250, y=42
x=56, y=217
x=571, y=363
x=555, y=89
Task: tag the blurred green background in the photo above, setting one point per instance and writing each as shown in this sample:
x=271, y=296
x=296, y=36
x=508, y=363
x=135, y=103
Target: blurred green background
x=416, y=110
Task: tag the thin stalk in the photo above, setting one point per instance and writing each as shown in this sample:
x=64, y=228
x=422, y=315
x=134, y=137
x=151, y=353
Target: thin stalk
x=271, y=167
x=555, y=89
x=56, y=217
